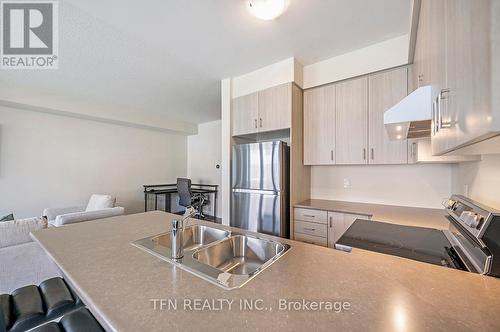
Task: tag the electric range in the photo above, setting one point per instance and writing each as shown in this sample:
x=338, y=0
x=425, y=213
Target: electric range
x=472, y=242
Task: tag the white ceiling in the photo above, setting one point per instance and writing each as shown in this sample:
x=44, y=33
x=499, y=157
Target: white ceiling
x=168, y=56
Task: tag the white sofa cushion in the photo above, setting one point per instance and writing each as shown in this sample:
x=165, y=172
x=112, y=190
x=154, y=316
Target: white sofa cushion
x=71, y=218
x=52, y=213
x=99, y=202
x=18, y=231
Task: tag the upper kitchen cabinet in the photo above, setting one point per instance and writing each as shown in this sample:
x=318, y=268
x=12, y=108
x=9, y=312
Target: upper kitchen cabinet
x=428, y=65
x=263, y=111
x=344, y=122
x=275, y=106
x=419, y=72
x=245, y=114
x=319, y=126
x=456, y=52
x=466, y=112
x=385, y=90
x=351, y=128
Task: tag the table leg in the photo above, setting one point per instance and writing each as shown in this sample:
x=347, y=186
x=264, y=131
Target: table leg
x=168, y=207
x=145, y=202
x=156, y=202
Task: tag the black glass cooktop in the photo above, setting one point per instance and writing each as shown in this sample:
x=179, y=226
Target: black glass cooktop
x=418, y=243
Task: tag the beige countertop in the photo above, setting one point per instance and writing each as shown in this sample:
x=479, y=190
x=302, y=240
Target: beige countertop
x=118, y=282
x=411, y=216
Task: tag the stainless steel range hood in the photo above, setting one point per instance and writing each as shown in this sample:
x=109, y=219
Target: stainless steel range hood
x=412, y=116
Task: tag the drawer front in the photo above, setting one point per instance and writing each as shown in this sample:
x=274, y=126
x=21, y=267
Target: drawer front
x=311, y=228
x=320, y=241
x=318, y=216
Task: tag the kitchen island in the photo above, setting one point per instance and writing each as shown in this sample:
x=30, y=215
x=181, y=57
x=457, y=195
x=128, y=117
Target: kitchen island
x=128, y=289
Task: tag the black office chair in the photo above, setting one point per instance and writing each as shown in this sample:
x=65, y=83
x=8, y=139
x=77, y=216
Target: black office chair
x=186, y=197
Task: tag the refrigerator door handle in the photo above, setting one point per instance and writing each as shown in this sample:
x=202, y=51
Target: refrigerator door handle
x=257, y=192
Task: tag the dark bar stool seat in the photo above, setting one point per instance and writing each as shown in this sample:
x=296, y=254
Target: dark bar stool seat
x=30, y=306
x=80, y=320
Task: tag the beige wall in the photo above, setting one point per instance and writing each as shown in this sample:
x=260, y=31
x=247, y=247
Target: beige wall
x=53, y=161
x=405, y=185
x=204, y=153
x=226, y=141
x=479, y=180
x=387, y=54
x=288, y=70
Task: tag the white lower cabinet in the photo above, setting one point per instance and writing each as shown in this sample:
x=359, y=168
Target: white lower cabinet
x=319, y=241
x=311, y=226
x=320, y=227
x=338, y=223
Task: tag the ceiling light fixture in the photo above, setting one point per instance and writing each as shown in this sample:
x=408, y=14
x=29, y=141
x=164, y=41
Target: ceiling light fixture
x=267, y=9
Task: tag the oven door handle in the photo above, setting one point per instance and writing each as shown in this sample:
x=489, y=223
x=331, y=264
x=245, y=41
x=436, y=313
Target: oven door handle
x=455, y=259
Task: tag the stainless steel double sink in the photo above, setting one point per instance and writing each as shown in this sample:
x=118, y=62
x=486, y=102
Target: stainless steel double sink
x=228, y=259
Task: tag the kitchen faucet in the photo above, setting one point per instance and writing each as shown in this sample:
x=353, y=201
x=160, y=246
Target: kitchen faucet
x=176, y=235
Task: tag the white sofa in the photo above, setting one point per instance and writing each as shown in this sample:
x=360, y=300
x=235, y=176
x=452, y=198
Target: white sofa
x=98, y=207
x=22, y=261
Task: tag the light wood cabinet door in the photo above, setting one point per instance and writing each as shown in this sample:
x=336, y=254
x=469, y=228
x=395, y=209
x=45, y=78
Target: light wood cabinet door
x=436, y=42
x=245, y=114
x=351, y=127
x=275, y=108
x=386, y=89
x=338, y=223
x=465, y=110
x=319, y=126
x=420, y=71
x=335, y=227
x=436, y=53
x=428, y=63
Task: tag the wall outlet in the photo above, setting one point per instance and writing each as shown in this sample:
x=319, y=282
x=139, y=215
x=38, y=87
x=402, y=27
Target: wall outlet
x=347, y=183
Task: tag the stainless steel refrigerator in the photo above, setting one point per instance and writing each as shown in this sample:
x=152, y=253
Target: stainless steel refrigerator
x=260, y=188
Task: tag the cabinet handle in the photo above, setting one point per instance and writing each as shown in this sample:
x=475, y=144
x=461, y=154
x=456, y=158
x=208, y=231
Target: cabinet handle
x=420, y=80
x=310, y=216
x=443, y=92
x=372, y=153
x=310, y=229
x=364, y=154
x=260, y=122
x=442, y=95
x=255, y=121
x=330, y=222
x=434, y=117
x=413, y=152
x=331, y=155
